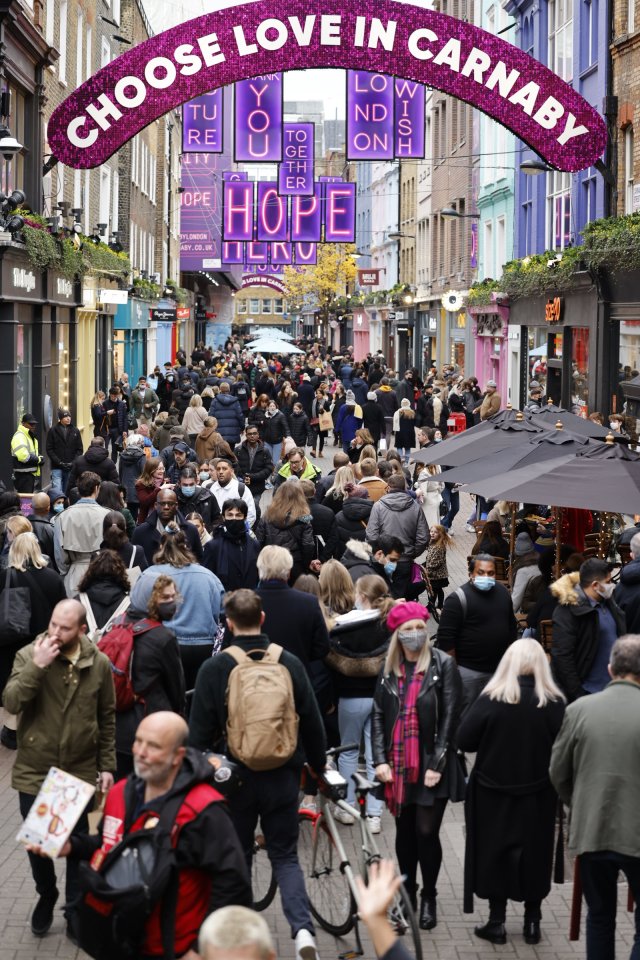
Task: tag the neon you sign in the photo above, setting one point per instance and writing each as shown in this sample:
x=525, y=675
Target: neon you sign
x=404, y=39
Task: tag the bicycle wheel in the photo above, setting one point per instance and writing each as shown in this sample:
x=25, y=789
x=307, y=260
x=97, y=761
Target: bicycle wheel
x=263, y=881
x=329, y=893
x=403, y=919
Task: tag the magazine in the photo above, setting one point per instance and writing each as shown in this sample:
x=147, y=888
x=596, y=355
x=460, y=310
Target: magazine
x=55, y=811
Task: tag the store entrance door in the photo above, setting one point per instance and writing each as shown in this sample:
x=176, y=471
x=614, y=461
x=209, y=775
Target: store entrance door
x=554, y=367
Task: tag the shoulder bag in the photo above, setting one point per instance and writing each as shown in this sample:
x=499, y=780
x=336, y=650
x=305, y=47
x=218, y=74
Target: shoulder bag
x=15, y=611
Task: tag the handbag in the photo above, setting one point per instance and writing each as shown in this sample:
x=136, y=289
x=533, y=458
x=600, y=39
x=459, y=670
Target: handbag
x=15, y=611
x=325, y=421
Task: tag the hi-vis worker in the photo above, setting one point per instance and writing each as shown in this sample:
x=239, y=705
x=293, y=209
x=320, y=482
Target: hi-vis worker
x=26, y=459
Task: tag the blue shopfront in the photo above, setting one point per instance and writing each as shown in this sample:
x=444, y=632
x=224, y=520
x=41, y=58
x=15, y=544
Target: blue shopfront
x=130, y=327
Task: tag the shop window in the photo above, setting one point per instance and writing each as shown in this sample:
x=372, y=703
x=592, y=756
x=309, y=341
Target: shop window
x=23, y=363
x=579, y=366
x=537, y=355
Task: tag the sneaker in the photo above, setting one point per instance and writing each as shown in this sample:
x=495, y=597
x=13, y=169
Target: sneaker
x=306, y=948
x=343, y=817
x=469, y=528
x=268, y=485
x=309, y=804
x=42, y=916
x=374, y=824
x=9, y=738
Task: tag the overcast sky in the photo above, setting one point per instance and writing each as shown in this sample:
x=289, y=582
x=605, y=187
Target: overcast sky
x=328, y=85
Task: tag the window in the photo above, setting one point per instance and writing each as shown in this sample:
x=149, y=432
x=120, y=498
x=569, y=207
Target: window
x=133, y=244
x=560, y=49
x=105, y=196
x=278, y=305
x=628, y=169
x=86, y=202
x=59, y=174
x=62, y=44
x=79, y=57
x=631, y=16
x=488, y=249
x=558, y=210
x=134, y=161
x=526, y=183
x=153, y=178
x=77, y=189
x=152, y=253
x=241, y=306
x=589, y=34
x=115, y=199
x=267, y=306
x=105, y=52
x=501, y=246
x=115, y=11
x=49, y=25
x=589, y=195
x=89, y=54
x=254, y=306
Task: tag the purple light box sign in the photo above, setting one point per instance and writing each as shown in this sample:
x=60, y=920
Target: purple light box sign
x=200, y=210
x=370, y=103
x=235, y=175
x=272, y=213
x=409, y=119
x=203, y=124
x=223, y=47
x=282, y=253
x=237, y=221
x=306, y=253
x=296, y=172
x=306, y=218
x=259, y=119
x=257, y=253
x=232, y=252
x=340, y=213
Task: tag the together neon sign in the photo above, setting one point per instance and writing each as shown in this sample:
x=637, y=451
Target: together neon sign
x=404, y=39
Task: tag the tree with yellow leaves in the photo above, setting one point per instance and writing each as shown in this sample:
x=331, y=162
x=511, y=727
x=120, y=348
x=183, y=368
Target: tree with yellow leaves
x=322, y=284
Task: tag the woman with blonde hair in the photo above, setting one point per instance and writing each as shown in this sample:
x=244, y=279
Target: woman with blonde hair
x=415, y=716
x=336, y=588
x=511, y=805
x=359, y=640
x=287, y=523
x=13, y=528
x=99, y=415
x=194, y=419
x=335, y=495
x=368, y=452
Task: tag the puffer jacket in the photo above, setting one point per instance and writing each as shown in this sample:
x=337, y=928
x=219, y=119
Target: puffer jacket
x=97, y=460
x=439, y=704
x=576, y=634
x=353, y=518
x=68, y=717
x=357, y=636
x=228, y=412
x=130, y=465
x=275, y=428
x=399, y=515
x=357, y=560
x=627, y=595
x=296, y=537
x=299, y=427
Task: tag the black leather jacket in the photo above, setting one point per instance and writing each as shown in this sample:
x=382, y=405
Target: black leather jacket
x=439, y=703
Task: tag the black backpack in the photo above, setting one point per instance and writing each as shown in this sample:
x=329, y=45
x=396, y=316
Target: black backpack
x=117, y=899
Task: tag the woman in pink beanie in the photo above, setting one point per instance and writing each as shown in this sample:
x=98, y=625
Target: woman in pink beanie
x=416, y=710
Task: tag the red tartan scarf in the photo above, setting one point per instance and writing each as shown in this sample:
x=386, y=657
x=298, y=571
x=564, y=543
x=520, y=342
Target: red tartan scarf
x=405, y=745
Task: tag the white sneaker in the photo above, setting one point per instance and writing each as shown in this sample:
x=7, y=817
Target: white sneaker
x=343, y=817
x=374, y=824
x=306, y=948
x=308, y=803
x=469, y=528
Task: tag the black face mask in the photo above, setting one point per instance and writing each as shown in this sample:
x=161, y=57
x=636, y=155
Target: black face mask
x=235, y=527
x=167, y=609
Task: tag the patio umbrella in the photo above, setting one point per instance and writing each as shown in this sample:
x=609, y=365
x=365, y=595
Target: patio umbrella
x=271, y=345
x=584, y=428
x=532, y=450
x=605, y=478
x=272, y=332
x=480, y=441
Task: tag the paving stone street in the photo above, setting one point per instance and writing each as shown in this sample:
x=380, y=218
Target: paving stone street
x=452, y=939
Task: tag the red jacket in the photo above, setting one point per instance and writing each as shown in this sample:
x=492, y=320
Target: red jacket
x=212, y=869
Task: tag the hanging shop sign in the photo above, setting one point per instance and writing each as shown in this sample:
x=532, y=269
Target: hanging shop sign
x=369, y=278
x=553, y=310
x=246, y=40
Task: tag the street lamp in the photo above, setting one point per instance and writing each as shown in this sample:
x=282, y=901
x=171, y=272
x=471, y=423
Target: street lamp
x=448, y=213
x=533, y=168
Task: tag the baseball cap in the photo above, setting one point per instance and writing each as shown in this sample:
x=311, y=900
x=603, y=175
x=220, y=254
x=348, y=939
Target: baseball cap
x=491, y=383
x=29, y=418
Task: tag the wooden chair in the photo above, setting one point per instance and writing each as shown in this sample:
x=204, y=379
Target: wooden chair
x=545, y=635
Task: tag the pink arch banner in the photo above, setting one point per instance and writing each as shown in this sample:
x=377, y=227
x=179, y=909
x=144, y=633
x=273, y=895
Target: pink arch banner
x=258, y=38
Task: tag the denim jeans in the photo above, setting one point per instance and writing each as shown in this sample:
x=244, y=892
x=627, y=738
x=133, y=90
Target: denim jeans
x=42, y=868
x=354, y=721
x=274, y=449
x=452, y=500
x=599, y=873
x=59, y=478
x=272, y=797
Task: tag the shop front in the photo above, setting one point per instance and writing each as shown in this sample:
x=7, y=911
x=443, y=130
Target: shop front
x=404, y=330
x=565, y=348
x=490, y=329
x=426, y=339
x=130, y=329
x=361, y=332
x=64, y=297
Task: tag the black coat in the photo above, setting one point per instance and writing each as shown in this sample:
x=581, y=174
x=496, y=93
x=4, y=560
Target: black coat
x=275, y=428
x=148, y=537
x=105, y=596
x=324, y=525
x=203, y=503
x=259, y=471
x=387, y=401
x=64, y=444
x=233, y=560
x=46, y=589
x=97, y=460
x=296, y=537
x=306, y=395
x=357, y=566
x=439, y=702
x=373, y=419
x=294, y=620
x=352, y=519
x=480, y=635
x=43, y=529
x=125, y=551
x=130, y=466
x=228, y=412
x=627, y=595
x=359, y=638
x=510, y=805
x=299, y=427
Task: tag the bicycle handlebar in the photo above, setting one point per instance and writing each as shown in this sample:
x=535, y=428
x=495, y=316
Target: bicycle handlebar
x=334, y=751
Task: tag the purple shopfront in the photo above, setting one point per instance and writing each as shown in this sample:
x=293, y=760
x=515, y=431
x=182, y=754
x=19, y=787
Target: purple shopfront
x=491, y=334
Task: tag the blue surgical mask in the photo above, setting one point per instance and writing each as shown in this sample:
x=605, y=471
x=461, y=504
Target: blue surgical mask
x=485, y=583
x=390, y=567
x=188, y=491
x=204, y=475
x=437, y=439
x=58, y=507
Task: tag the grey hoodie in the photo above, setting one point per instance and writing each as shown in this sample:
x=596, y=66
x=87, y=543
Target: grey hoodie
x=397, y=514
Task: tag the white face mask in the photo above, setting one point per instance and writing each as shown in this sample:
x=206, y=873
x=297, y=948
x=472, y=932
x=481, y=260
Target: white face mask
x=605, y=590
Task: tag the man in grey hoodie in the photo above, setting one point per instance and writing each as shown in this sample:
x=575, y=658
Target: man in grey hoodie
x=397, y=514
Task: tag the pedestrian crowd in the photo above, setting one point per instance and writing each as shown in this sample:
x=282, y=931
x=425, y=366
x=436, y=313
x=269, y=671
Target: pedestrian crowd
x=194, y=584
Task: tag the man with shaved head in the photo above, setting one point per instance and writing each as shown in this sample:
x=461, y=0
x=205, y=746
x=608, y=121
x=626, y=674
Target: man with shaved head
x=212, y=871
x=61, y=685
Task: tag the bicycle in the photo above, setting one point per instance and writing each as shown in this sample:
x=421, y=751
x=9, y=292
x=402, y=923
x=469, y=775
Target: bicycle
x=328, y=872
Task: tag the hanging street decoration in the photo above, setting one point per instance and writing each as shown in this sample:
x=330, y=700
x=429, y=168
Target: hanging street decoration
x=202, y=124
x=370, y=103
x=296, y=172
x=403, y=39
